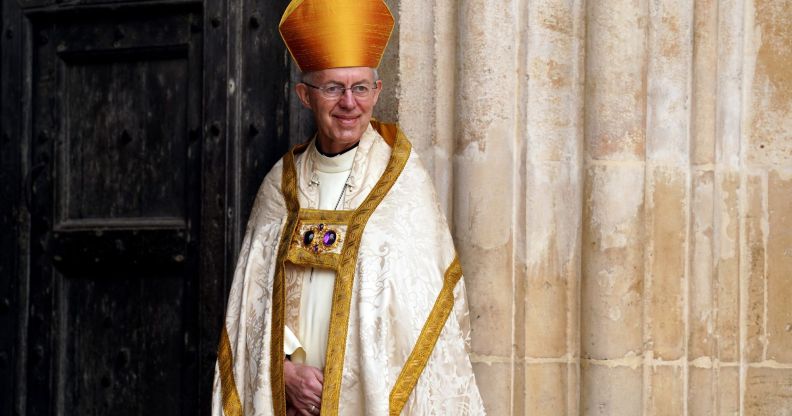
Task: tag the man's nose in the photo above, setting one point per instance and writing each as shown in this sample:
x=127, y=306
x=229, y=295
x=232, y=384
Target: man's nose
x=347, y=99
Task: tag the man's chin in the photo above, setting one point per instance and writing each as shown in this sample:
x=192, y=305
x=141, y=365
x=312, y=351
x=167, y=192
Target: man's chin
x=349, y=133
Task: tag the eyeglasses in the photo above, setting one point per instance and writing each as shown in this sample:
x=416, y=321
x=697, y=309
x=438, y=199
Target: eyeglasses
x=334, y=91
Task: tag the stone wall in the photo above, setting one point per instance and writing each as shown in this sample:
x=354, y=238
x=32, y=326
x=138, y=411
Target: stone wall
x=618, y=175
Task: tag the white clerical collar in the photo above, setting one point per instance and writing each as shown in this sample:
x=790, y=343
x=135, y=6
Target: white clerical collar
x=335, y=164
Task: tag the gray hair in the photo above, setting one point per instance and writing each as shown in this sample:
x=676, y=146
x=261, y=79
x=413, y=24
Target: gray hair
x=308, y=76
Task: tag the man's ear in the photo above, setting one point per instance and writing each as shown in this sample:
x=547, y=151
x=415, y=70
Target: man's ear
x=302, y=92
x=377, y=92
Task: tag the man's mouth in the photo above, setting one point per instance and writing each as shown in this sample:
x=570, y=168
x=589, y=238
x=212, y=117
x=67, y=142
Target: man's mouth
x=346, y=120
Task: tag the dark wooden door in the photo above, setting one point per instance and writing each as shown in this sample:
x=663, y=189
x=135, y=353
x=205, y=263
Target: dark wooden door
x=116, y=122
x=137, y=137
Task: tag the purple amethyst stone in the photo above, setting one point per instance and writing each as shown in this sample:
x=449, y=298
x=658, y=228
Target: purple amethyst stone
x=329, y=238
x=308, y=237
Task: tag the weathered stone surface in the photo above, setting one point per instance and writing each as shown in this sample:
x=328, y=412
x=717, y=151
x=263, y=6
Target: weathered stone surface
x=779, y=267
x=727, y=283
x=668, y=77
x=610, y=391
x=754, y=269
x=701, y=320
x=495, y=385
x=700, y=397
x=490, y=299
x=553, y=67
x=666, y=394
x=615, y=79
x=545, y=385
x=769, y=55
x=387, y=107
x=727, y=385
x=728, y=111
x=552, y=260
x=666, y=237
x=626, y=168
x=704, y=86
x=768, y=391
x=486, y=116
x=613, y=262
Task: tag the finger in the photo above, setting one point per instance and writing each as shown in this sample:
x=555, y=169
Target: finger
x=319, y=375
x=314, y=385
x=315, y=390
x=310, y=410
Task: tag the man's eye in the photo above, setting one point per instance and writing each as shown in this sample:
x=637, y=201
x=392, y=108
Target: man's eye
x=359, y=89
x=333, y=89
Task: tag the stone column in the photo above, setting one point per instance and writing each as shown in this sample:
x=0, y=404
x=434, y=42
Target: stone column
x=549, y=201
x=766, y=207
x=485, y=169
x=618, y=176
x=613, y=250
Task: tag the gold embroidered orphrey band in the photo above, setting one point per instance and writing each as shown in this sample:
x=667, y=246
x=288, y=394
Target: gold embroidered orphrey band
x=408, y=377
x=231, y=404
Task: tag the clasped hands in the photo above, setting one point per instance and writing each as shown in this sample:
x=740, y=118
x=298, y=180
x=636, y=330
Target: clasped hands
x=303, y=388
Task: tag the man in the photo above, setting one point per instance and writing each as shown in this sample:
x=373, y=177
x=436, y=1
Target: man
x=347, y=297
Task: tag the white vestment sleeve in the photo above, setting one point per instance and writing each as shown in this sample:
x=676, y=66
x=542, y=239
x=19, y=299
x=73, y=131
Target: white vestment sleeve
x=292, y=346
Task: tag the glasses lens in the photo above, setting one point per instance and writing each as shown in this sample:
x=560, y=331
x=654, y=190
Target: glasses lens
x=333, y=91
x=361, y=90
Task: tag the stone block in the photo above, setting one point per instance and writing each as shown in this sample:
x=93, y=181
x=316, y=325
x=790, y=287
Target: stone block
x=701, y=340
x=729, y=91
x=768, y=391
x=754, y=254
x=552, y=109
x=486, y=76
x=553, y=93
x=612, y=262
x=610, y=391
x=700, y=389
x=615, y=79
x=489, y=287
x=483, y=234
x=551, y=258
x=779, y=267
x=666, y=394
x=704, y=88
x=668, y=99
x=547, y=314
x=551, y=389
x=666, y=217
x=727, y=284
x=770, y=132
x=495, y=384
x=728, y=391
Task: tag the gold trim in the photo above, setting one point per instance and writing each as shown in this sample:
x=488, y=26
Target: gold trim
x=308, y=259
x=342, y=292
x=416, y=362
x=289, y=189
x=325, y=216
x=232, y=406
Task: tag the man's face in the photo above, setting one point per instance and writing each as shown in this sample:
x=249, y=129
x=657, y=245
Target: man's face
x=340, y=121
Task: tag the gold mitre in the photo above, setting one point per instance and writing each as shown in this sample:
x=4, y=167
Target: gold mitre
x=322, y=34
